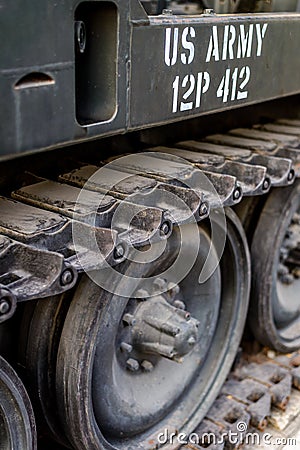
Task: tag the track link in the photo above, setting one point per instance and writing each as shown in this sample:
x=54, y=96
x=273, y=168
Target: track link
x=254, y=400
x=41, y=217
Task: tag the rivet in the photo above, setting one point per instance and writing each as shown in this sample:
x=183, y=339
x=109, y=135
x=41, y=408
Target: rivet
x=203, y=210
x=119, y=252
x=66, y=277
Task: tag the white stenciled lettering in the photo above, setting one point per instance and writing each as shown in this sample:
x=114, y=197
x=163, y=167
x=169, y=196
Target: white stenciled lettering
x=213, y=46
x=188, y=32
x=232, y=42
x=224, y=55
x=260, y=34
x=173, y=40
x=188, y=93
x=170, y=61
x=189, y=80
x=245, y=42
x=175, y=94
x=228, y=42
x=245, y=77
x=203, y=83
x=230, y=86
x=234, y=83
x=223, y=89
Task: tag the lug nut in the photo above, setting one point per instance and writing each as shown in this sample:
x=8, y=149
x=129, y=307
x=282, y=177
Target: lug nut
x=132, y=365
x=147, y=366
x=126, y=347
x=287, y=279
x=296, y=219
x=179, y=304
x=129, y=319
x=141, y=294
x=282, y=270
x=160, y=283
x=284, y=253
x=66, y=277
x=174, y=288
x=4, y=306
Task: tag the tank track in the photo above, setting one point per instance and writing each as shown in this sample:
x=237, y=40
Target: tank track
x=38, y=221
x=263, y=392
x=254, y=400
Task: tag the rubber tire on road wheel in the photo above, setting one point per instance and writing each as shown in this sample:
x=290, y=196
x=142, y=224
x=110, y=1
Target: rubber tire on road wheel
x=17, y=424
x=93, y=311
x=269, y=235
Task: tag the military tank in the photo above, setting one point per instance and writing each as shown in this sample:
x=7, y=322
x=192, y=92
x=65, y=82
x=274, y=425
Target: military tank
x=150, y=218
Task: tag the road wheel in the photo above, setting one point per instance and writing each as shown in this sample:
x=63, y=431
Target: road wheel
x=129, y=369
x=275, y=302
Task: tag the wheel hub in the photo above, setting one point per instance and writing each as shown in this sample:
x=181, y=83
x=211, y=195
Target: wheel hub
x=159, y=328
x=137, y=380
